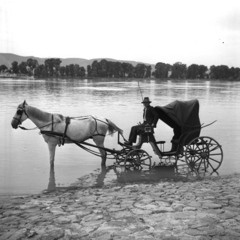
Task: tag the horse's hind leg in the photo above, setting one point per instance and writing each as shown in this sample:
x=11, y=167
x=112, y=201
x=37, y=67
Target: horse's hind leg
x=99, y=142
x=103, y=156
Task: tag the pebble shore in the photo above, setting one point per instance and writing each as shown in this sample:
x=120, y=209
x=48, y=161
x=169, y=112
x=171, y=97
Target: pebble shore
x=206, y=209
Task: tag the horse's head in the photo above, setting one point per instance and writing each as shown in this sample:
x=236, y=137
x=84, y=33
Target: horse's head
x=20, y=115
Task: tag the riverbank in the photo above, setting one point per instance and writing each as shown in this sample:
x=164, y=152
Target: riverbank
x=176, y=210
x=23, y=76
x=16, y=76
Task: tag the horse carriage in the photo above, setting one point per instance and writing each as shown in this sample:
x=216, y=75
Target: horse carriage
x=194, y=151
x=197, y=152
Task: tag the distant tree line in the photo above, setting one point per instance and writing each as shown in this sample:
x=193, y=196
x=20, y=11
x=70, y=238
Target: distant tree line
x=50, y=68
x=109, y=69
x=180, y=71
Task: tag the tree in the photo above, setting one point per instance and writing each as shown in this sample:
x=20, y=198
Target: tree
x=62, y=71
x=53, y=66
x=40, y=71
x=95, y=69
x=202, y=71
x=76, y=70
x=103, y=67
x=128, y=69
x=3, y=68
x=111, y=69
x=213, y=73
x=89, y=70
x=82, y=72
x=140, y=70
x=67, y=70
x=125, y=69
x=32, y=65
x=148, y=71
x=220, y=72
x=23, y=67
x=193, y=71
x=71, y=70
x=179, y=70
x=161, y=70
x=15, y=67
x=117, y=69
x=234, y=73
x=224, y=72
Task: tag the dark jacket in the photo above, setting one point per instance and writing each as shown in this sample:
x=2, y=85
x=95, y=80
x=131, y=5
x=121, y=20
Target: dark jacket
x=151, y=116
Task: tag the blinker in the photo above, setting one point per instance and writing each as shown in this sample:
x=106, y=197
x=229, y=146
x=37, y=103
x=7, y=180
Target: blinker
x=19, y=112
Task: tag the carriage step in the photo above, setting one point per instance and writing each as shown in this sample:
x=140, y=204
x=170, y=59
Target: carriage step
x=160, y=142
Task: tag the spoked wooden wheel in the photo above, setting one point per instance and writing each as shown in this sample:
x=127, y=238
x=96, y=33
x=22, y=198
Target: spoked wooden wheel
x=137, y=159
x=204, y=153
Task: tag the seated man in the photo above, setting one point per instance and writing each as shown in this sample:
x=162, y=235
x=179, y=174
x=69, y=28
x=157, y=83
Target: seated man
x=150, y=117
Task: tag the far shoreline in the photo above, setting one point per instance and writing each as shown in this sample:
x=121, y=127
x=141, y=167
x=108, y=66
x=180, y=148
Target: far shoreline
x=26, y=77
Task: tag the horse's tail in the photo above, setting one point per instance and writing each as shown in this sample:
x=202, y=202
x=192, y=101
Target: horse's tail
x=112, y=127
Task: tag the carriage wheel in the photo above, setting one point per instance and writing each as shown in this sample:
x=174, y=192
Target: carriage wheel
x=204, y=153
x=137, y=159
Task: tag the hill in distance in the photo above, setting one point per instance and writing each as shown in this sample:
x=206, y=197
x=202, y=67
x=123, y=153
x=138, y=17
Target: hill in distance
x=8, y=58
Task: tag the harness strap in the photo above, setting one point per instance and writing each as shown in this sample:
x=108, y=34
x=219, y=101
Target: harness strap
x=52, y=122
x=68, y=120
x=96, y=129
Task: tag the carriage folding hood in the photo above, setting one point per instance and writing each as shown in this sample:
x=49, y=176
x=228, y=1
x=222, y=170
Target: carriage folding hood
x=186, y=115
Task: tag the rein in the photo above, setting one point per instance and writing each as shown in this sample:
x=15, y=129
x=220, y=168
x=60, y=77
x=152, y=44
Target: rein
x=51, y=123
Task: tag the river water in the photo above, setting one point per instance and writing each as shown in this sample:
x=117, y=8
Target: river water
x=24, y=161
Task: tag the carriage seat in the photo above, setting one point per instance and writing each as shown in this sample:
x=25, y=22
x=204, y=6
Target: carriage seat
x=146, y=135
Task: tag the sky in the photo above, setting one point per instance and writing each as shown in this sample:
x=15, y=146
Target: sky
x=189, y=31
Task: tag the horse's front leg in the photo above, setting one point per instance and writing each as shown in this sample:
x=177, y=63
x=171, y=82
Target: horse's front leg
x=52, y=150
x=99, y=142
x=52, y=143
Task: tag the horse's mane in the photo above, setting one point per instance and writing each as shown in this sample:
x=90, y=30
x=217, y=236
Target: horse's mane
x=38, y=114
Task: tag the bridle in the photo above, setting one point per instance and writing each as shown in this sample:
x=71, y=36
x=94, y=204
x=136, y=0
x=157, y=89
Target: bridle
x=20, y=112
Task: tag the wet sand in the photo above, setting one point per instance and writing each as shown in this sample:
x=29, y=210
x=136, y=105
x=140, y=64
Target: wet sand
x=202, y=208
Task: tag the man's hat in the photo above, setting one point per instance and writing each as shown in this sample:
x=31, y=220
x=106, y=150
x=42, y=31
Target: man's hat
x=146, y=100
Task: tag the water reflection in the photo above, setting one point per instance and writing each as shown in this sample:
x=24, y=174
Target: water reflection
x=161, y=173
x=113, y=175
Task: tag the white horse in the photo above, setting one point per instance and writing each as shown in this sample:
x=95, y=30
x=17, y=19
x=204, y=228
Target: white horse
x=77, y=129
